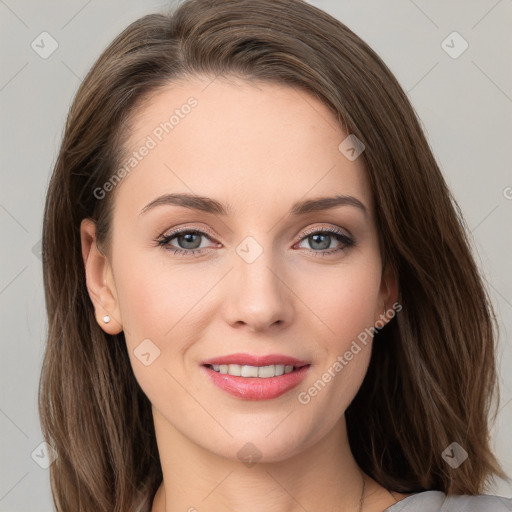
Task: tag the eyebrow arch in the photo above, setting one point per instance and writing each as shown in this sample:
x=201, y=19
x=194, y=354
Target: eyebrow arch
x=209, y=205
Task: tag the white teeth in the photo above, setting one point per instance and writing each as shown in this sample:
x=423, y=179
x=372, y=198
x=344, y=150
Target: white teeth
x=280, y=369
x=264, y=372
x=249, y=371
x=234, y=369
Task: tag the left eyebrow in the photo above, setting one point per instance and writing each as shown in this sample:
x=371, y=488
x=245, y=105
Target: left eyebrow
x=209, y=205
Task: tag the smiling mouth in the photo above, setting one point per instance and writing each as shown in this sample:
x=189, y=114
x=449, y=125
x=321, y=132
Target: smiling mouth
x=262, y=372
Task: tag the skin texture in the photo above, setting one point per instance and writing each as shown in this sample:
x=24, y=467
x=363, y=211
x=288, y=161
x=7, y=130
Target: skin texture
x=258, y=148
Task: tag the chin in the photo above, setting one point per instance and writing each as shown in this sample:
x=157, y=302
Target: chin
x=258, y=446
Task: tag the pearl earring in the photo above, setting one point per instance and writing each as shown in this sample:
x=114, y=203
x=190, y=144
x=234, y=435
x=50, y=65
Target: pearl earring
x=106, y=319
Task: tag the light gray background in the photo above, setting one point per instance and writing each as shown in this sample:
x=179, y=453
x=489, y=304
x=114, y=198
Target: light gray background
x=465, y=105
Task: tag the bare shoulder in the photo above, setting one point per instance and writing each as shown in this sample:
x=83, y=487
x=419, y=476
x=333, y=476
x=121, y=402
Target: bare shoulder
x=400, y=496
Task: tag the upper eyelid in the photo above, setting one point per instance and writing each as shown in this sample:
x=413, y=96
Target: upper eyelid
x=328, y=229
x=175, y=232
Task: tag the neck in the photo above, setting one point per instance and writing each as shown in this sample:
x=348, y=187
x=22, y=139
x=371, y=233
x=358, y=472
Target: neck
x=323, y=476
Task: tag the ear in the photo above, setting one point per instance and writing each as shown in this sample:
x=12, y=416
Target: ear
x=388, y=298
x=99, y=280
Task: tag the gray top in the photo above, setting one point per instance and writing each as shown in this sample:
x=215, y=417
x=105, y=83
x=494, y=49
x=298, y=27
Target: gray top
x=437, y=501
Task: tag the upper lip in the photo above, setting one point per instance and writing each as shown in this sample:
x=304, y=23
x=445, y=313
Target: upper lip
x=256, y=360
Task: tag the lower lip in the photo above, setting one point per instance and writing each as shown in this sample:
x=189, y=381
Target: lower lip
x=257, y=388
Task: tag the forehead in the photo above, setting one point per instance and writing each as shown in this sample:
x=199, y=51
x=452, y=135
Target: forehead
x=237, y=140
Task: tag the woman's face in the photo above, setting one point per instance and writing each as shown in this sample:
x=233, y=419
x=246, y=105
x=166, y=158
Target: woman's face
x=257, y=280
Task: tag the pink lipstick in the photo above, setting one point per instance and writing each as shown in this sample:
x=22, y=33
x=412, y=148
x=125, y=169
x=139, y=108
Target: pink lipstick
x=256, y=377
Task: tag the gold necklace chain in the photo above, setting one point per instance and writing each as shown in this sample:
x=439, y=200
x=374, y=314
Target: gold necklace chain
x=362, y=493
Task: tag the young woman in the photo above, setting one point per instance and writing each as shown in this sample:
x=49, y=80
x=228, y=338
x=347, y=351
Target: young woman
x=259, y=289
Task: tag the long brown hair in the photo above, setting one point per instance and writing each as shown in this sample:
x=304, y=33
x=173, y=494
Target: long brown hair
x=432, y=375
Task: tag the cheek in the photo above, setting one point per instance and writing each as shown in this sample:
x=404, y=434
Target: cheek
x=341, y=300
x=342, y=321
x=154, y=294
x=153, y=305
x=163, y=303
x=145, y=311
x=342, y=304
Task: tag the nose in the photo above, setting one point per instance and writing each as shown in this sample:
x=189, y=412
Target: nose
x=258, y=295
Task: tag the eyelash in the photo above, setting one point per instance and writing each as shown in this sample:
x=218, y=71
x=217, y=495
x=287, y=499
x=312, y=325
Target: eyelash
x=163, y=241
